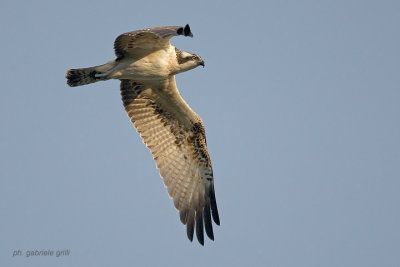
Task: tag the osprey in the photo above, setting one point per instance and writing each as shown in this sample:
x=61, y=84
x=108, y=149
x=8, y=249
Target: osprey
x=146, y=64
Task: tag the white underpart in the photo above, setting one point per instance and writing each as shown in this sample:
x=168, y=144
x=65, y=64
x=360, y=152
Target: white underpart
x=158, y=65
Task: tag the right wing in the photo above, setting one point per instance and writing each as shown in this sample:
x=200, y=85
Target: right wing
x=136, y=44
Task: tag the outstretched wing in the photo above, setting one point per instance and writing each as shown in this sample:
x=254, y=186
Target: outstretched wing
x=176, y=138
x=142, y=42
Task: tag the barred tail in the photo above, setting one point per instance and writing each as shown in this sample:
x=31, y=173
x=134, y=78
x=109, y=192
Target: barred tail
x=77, y=77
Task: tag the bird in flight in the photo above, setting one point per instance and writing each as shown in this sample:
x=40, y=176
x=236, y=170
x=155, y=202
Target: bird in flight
x=146, y=64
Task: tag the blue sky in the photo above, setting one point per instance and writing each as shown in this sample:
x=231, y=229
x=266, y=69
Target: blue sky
x=300, y=100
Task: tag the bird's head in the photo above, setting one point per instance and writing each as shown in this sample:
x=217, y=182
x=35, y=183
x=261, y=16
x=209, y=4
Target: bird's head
x=187, y=61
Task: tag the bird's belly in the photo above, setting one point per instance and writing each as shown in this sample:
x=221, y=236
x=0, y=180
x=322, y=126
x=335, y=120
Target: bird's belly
x=142, y=69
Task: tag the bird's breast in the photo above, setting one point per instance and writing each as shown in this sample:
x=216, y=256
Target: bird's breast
x=154, y=66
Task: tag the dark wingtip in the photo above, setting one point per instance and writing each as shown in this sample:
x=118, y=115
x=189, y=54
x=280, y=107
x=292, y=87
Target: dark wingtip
x=190, y=229
x=216, y=219
x=199, y=227
x=190, y=233
x=214, y=209
x=207, y=222
x=180, y=31
x=187, y=31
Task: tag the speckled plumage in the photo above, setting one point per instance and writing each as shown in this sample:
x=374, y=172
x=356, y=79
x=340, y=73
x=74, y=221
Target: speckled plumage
x=146, y=64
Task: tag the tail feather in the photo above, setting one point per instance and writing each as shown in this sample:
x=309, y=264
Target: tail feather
x=76, y=77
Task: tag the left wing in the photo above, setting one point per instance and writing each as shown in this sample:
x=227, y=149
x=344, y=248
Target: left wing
x=175, y=135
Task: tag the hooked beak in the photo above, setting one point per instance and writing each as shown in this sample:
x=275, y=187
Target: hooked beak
x=202, y=63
